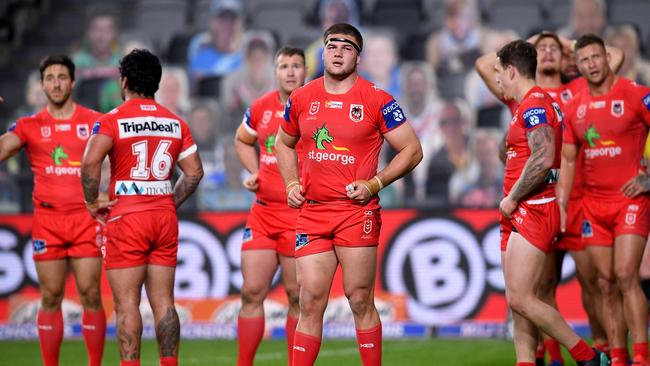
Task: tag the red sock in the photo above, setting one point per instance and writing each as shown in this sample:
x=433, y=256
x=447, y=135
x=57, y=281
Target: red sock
x=249, y=335
x=50, y=334
x=603, y=347
x=370, y=345
x=305, y=349
x=554, y=351
x=640, y=349
x=526, y=363
x=290, y=329
x=581, y=351
x=169, y=361
x=620, y=355
x=540, y=351
x=93, y=328
x=129, y=363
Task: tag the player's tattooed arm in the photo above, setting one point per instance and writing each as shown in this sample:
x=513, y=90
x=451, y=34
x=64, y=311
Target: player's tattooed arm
x=192, y=173
x=90, y=186
x=542, y=153
x=637, y=185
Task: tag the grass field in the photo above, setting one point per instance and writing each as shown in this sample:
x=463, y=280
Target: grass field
x=333, y=352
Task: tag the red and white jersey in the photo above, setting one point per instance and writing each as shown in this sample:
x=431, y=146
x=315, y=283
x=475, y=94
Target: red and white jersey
x=340, y=135
x=262, y=120
x=55, y=148
x=611, y=131
x=148, y=140
x=536, y=109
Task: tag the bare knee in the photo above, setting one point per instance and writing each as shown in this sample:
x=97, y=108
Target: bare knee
x=361, y=301
x=606, y=284
x=90, y=297
x=253, y=294
x=626, y=278
x=293, y=295
x=51, y=299
x=312, y=303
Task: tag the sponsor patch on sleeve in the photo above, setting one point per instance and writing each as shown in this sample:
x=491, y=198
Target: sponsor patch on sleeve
x=393, y=114
x=535, y=117
x=96, y=127
x=646, y=101
x=247, y=117
x=287, y=110
x=12, y=127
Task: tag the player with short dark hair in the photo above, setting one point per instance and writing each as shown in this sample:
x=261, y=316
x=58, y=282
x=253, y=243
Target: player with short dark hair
x=608, y=123
x=63, y=234
x=269, y=235
x=144, y=141
x=530, y=217
x=340, y=122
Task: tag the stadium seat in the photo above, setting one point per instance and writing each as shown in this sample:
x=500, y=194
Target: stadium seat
x=177, y=51
x=158, y=20
x=414, y=47
x=404, y=16
x=635, y=12
x=557, y=13
x=521, y=17
x=87, y=92
x=209, y=87
x=451, y=85
x=283, y=17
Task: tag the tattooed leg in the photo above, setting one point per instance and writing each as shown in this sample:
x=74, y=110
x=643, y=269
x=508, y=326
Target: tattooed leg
x=126, y=285
x=160, y=291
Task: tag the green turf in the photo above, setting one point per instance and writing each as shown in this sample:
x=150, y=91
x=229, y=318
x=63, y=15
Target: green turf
x=333, y=352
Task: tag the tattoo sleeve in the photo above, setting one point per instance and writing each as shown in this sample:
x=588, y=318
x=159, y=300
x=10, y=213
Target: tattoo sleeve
x=90, y=186
x=541, y=143
x=185, y=186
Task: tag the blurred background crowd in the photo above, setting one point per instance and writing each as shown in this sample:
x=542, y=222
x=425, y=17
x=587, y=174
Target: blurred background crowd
x=218, y=57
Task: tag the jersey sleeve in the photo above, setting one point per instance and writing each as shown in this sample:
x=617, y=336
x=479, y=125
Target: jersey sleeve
x=390, y=114
x=534, y=114
x=18, y=128
x=291, y=115
x=568, y=135
x=250, y=121
x=644, y=93
x=188, y=146
x=104, y=126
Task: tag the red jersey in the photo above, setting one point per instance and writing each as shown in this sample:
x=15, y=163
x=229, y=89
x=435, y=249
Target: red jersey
x=147, y=141
x=611, y=131
x=536, y=109
x=55, y=148
x=341, y=135
x=262, y=120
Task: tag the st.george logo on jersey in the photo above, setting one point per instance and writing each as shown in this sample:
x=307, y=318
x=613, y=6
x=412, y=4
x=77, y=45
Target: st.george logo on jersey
x=83, y=132
x=618, y=108
x=356, y=112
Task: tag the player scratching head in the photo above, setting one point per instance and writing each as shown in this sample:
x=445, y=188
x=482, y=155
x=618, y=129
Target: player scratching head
x=593, y=60
x=290, y=69
x=549, y=54
x=140, y=73
x=343, y=45
x=57, y=79
x=515, y=69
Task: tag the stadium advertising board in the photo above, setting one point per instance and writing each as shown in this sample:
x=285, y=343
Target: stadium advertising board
x=437, y=273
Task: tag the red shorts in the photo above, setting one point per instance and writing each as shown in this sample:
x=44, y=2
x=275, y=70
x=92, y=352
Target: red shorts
x=322, y=226
x=607, y=219
x=139, y=238
x=63, y=235
x=571, y=239
x=539, y=224
x=271, y=227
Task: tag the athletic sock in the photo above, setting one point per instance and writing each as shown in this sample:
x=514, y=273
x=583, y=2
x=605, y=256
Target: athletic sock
x=581, y=351
x=640, y=349
x=540, y=352
x=93, y=328
x=129, y=363
x=603, y=347
x=50, y=334
x=370, y=345
x=249, y=335
x=525, y=364
x=554, y=351
x=620, y=356
x=169, y=361
x=290, y=329
x=305, y=349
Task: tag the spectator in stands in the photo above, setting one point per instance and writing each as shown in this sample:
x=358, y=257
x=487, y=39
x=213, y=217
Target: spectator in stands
x=98, y=58
x=252, y=81
x=174, y=91
x=485, y=190
x=448, y=169
x=587, y=17
x=379, y=63
x=330, y=12
x=422, y=108
x=455, y=47
x=217, y=52
x=627, y=39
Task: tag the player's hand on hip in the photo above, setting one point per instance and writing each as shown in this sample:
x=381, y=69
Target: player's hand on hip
x=100, y=209
x=295, y=199
x=361, y=191
x=636, y=186
x=250, y=183
x=507, y=207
